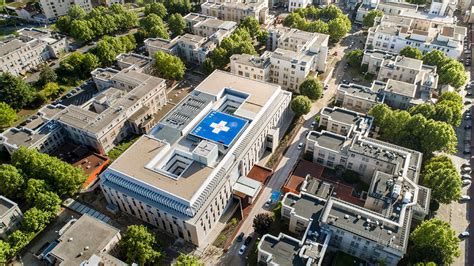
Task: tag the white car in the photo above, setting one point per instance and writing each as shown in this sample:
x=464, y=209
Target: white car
x=466, y=182
x=465, y=198
x=466, y=169
x=466, y=177
x=464, y=234
x=300, y=146
x=242, y=249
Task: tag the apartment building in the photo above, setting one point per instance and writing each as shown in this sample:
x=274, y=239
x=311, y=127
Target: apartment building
x=236, y=10
x=30, y=49
x=294, y=56
x=84, y=241
x=251, y=66
x=181, y=177
x=360, y=98
x=208, y=32
x=137, y=62
x=393, y=33
x=345, y=122
x=365, y=227
x=127, y=103
x=53, y=9
x=10, y=216
x=295, y=4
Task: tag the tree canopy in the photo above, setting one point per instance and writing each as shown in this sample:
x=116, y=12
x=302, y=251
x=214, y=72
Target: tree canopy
x=328, y=20
x=177, y=24
x=312, y=88
x=262, y=223
x=354, y=57
x=414, y=131
x=447, y=109
x=100, y=21
x=12, y=181
x=47, y=75
x=138, y=246
x=4, y=251
x=450, y=71
x=301, y=105
x=152, y=26
x=15, y=92
x=411, y=52
x=434, y=241
x=35, y=220
x=188, y=260
x=109, y=48
x=369, y=19
x=156, y=8
x=7, y=115
x=169, y=66
x=441, y=175
x=78, y=65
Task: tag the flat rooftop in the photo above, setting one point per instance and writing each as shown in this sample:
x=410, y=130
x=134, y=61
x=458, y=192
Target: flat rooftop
x=328, y=140
x=408, y=62
x=371, y=94
x=401, y=88
x=5, y=205
x=341, y=115
x=284, y=250
x=85, y=232
x=305, y=205
x=134, y=160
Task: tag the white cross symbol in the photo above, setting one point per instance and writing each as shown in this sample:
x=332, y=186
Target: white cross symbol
x=219, y=127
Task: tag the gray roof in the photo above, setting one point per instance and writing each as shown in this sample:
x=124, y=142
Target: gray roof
x=328, y=140
x=305, y=205
x=370, y=94
x=5, y=205
x=85, y=232
x=284, y=250
x=342, y=115
x=401, y=88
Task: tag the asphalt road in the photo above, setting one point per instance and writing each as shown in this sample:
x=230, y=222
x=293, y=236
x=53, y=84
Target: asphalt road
x=470, y=212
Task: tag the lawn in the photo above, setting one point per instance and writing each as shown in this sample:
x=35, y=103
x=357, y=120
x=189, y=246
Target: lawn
x=344, y=259
x=122, y=147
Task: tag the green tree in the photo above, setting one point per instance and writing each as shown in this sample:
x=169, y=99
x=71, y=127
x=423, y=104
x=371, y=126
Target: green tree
x=369, y=19
x=435, y=58
x=317, y=26
x=301, y=105
x=35, y=220
x=430, y=263
x=156, y=8
x=452, y=73
x=15, y=92
x=338, y=29
x=81, y=30
x=62, y=177
x=88, y=63
x=5, y=251
x=251, y=25
x=188, y=260
x=294, y=20
x=312, y=88
x=411, y=52
x=441, y=176
x=153, y=26
x=262, y=223
x=12, y=181
x=425, y=109
x=417, y=2
x=262, y=36
x=439, y=137
x=435, y=241
x=33, y=188
x=7, y=115
x=18, y=240
x=354, y=57
x=169, y=66
x=76, y=12
x=47, y=75
x=47, y=201
x=63, y=24
x=137, y=245
x=51, y=90
x=177, y=24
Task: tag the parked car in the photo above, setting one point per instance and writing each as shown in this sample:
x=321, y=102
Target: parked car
x=466, y=177
x=326, y=87
x=466, y=182
x=466, y=151
x=464, y=235
x=313, y=123
x=465, y=198
x=466, y=169
x=467, y=127
x=345, y=82
x=468, y=93
x=248, y=240
x=467, y=117
x=300, y=146
x=268, y=202
x=242, y=249
x=240, y=237
x=467, y=102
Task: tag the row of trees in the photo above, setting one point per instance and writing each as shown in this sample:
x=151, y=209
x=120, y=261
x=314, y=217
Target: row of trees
x=450, y=71
x=108, y=48
x=166, y=7
x=99, y=22
x=414, y=131
x=328, y=20
x=239, y=42
x=447, y=109
x=39, y=180
x=441, y=175
x=369, y=18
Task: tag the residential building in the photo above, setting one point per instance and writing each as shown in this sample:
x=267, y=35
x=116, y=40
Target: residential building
x=31, y=12
x=126, y=104
x=296, y=55
x=250, y=66
x=345, y=122
x=393, y=33
x=365, y=227
x=10, y=216
x=181, y=177
x=29, y=50
x=208, y=32
x=236, y=10
x=137, y=62
x=53, y=9
x=84, y=241
x=295, y=4
x=360, y=98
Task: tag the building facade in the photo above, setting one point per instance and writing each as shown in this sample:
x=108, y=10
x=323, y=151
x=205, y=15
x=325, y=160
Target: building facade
x=182, y=176
x=10, y=216
x=236, y=10
x=29, y=50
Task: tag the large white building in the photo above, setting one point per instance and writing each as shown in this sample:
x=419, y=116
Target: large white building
x=393, y=33
x=10, y=216
x=295, y=4
x=181, y=177
x=236, y=10
x=295, y=55
x=30, y=49
x=53, y=9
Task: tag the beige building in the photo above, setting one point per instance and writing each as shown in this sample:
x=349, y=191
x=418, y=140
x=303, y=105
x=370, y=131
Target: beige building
x=345, y=122
x=360, y=98
x=182, y=176
x=392, y=33
x=30, y=49
x=126, y=104
x=296, y=55
x=85, y=241
x=10, y=216
x=53, y=9
x=236, y=10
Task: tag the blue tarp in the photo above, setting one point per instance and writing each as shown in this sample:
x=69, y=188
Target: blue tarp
x=275, y=196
